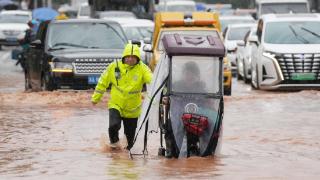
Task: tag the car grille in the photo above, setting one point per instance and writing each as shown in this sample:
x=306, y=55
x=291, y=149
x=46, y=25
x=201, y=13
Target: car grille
x=299, y=63
x=92, y=66
x=11, y=32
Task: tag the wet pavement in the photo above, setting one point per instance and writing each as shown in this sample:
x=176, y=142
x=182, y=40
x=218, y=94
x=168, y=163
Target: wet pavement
x=60, y=135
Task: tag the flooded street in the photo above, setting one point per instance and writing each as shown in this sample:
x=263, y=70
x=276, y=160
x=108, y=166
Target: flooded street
x=60, y=135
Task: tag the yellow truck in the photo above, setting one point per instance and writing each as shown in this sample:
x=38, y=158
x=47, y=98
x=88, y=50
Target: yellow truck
x=196, y=23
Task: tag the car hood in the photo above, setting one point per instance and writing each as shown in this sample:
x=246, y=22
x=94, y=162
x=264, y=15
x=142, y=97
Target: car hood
x=71, y=55
x=13, y=26
x=292, y=48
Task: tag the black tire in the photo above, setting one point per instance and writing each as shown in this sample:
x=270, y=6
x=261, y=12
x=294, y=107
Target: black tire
x=171, y=145
x=46, y=83
x=27, y=85
x=245, y=78
x=44, y=86
x=257, y=79
x=227, y=91
x=239, y=77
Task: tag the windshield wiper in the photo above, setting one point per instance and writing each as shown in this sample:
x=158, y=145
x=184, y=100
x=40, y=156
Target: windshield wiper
x=69, y=44
x=300, y=38
x=55, y=49
x=311, y=32
x=114, y=31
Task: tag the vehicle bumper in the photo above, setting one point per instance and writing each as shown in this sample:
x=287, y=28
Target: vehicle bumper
x=64, y=80
x=274, y=78
x=9, y=43
x=293, y=85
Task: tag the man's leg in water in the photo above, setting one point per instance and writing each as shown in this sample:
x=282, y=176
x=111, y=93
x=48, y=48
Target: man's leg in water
x=130, y=125
x=114, y=126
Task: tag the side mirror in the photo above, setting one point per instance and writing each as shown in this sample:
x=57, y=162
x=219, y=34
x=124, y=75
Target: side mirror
x=137, y=42
x=36, y=44
x=147, y=40
x=147, y=48
x=240, y=43
x=253, y=39
x=232, y=48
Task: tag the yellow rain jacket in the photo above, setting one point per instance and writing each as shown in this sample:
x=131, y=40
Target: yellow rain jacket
x=126, y=89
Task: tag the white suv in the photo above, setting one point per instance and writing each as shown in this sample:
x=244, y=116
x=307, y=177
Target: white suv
x=289, y=52
x=234, y=34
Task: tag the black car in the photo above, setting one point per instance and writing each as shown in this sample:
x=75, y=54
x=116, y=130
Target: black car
x=72, y=53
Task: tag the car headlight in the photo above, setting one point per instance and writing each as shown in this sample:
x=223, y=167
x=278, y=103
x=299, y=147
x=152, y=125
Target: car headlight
x=63, y=65
x=269, y=55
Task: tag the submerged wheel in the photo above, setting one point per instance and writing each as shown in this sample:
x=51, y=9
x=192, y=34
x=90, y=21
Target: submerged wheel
x=228, y=91
x=161, y=151
x=27, y=84
x=46, y=83
x=171, y=147
x=245, y=78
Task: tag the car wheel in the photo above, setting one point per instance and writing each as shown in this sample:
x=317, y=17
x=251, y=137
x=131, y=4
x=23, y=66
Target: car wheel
x=239, y=77
x=257, y=78
x=227, y=91
x=258, y=84
x=46, y=83
x=253, y=75
x=245, y=78
x=44, y=86
x=27, y=85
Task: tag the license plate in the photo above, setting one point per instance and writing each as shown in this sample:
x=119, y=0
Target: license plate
x=12, y=39
x=303, y=76
x=93, y=79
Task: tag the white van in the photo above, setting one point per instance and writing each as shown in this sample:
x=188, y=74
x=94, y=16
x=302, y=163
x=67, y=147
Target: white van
x=84, y=11
x=281, y=7
x=177, y=6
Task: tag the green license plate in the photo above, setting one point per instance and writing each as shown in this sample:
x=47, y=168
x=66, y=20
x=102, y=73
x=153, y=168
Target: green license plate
x=303, y=76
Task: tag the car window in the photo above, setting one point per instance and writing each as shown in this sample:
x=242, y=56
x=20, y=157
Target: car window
x=281, y=8
x=86, y=35
x=225, y=22
x=181, y=8
x=237, y=33
x=138, y=33
x=13, y=18
x=116, y=15
x=195, y=74
x=302, y=32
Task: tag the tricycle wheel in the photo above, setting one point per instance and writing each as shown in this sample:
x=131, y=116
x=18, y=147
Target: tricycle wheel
x=161, y=151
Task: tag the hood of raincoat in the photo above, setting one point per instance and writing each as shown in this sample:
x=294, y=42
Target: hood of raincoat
x=131, y=50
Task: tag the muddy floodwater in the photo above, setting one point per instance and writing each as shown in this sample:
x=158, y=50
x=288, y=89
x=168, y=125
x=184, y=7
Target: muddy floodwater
x=60, y=135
